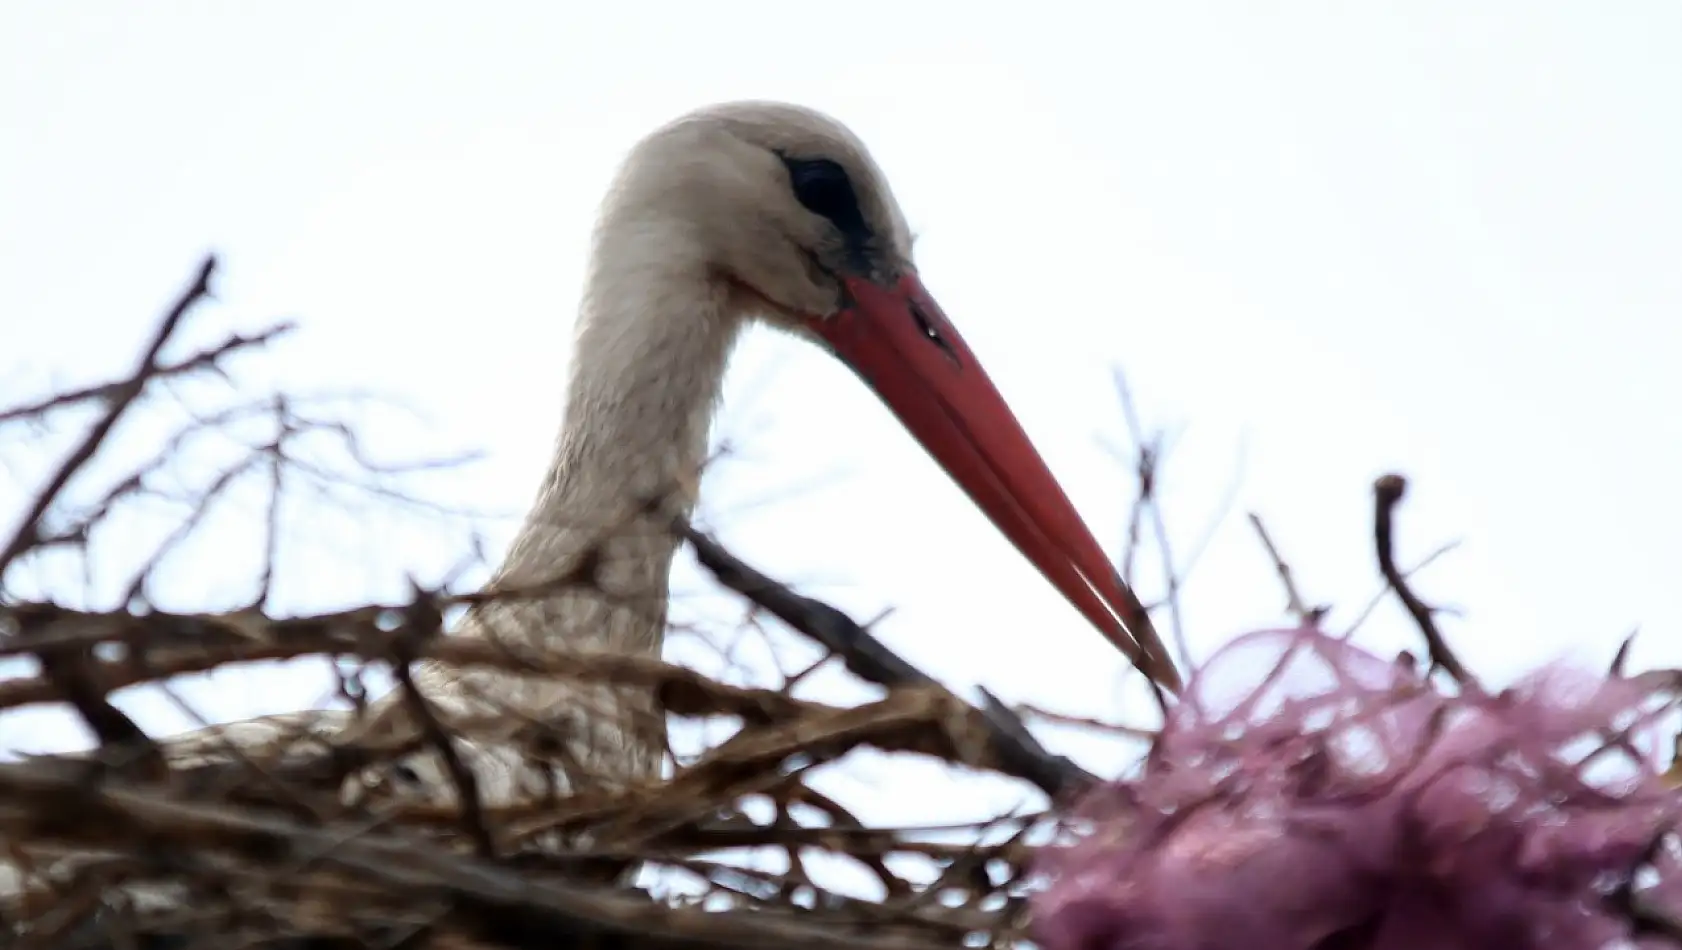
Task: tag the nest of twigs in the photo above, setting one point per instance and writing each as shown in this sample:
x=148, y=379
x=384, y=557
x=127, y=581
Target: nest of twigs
x=282, y=832
x=1308, y=797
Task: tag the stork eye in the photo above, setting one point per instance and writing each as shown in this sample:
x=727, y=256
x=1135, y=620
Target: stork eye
x=823, y=187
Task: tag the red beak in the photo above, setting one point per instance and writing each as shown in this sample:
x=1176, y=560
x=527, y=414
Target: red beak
x=898, y=340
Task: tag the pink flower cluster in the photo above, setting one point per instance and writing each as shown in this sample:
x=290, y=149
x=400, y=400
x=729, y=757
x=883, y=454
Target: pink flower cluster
x=1308, y=795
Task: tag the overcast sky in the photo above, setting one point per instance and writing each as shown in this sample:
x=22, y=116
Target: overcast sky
x=1324, y=240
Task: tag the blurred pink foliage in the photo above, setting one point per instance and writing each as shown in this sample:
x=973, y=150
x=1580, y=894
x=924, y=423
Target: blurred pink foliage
x=1308, y=795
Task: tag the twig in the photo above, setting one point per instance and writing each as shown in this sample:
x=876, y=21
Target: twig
x=271, y=516
x=1293, y=599
x=871, y=659
x=1388, y=492
x=120, y=398
x=1006, y=722
x=68, y=669
x=1149, y=461
x=105, y=392
x=1130, y=547
x=201, y=509
x=1378, y=598
x=178, y=644
x=426, y=622
x=1619, y=659
x=1084, y=722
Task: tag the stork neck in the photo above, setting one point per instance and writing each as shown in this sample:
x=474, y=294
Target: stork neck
x=648, y=366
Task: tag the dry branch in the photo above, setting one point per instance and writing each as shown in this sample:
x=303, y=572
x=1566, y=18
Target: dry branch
x=868, y=657
x=1387, y=494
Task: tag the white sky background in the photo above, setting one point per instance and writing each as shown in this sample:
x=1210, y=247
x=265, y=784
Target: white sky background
x=1326, y=239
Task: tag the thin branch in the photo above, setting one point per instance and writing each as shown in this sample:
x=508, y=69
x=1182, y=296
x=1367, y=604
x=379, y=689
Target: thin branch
x=1620, y=658
x=68, y=670
x=1387, y=492
x=182, y=644
x=1293, y=599
x=871, y=659
x=1084, y=722
x=120, y=399
x=1378, y=598
x=1147, y=469
x=208, y=359
x=195, y=518
x=425, y=622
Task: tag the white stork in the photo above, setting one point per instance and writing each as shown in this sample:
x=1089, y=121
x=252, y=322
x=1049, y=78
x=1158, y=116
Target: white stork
x=734, y=213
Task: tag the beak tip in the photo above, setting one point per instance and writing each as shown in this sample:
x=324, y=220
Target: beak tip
x=1158, y=668
x=1169, y=679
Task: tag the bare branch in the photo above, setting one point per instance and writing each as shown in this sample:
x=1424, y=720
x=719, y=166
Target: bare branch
x=423, y=622
x=108, y=392
x=1149, y=458
x=120, y=399
x=1387, y=493
x=1293, y=599
x=869, y=658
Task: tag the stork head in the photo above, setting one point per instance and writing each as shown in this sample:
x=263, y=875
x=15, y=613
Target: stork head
x=791, y=218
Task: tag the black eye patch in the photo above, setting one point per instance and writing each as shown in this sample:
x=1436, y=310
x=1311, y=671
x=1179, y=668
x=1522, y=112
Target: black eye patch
x=823, y=187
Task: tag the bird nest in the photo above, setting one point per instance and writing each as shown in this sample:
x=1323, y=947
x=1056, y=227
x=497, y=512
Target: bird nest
x=296, y=831
x=1302, y=793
